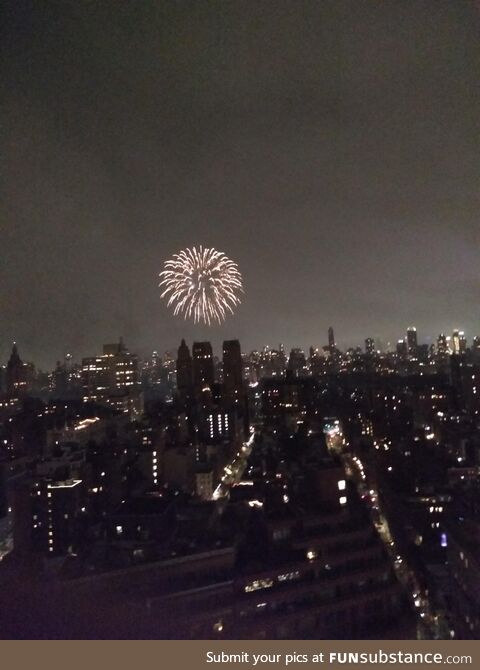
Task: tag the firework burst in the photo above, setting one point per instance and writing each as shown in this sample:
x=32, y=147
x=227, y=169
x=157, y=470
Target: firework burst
x=202, y=284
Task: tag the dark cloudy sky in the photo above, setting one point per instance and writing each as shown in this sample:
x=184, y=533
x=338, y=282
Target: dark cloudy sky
x=331, y=148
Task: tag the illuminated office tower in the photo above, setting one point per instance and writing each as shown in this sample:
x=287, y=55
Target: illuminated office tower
x=114, y=372
x=442, y=345
x=402, y=348
x=458, y=341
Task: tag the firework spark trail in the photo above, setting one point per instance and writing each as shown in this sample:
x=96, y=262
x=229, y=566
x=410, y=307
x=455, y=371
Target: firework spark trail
x=203, y=284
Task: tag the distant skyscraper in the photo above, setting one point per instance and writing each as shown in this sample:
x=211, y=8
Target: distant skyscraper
x=15, y=375
x=316, y=361
x=59, y=380
x=232, y=369
x=442, y=345
x=184, y=372
x=412, y=342
x=370, y=346
x=297, y=364
x=402, y=348
x=203, y=371
x=331, y=338
x=112, y=375
x=456, y=342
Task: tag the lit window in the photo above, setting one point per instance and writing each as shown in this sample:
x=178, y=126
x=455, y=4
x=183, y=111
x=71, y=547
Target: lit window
x=342, y=485
x=218, y=626
x=289, y=576
x=258, y=584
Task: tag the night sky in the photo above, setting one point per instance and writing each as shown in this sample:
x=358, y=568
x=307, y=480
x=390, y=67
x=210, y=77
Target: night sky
x=330, y=148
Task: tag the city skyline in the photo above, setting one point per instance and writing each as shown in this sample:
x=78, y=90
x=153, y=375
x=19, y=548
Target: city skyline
x=342, y=345
x=240, y=327
x=331, y=150
x=321, y=496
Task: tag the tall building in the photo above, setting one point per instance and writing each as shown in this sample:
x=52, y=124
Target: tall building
x=232, y=370
x=152, y=371
x=331, y=338
x=271, y=363
x=184, y=372
x=203, y=371
x=442, y=345
x=456, y=342
x=57, y=507
x=297, y=364
x=16, y=374
x=412, y=342
x=112, y=378
x=402, y=349
x=59, y=380
x=316, y=361
x=370, y=346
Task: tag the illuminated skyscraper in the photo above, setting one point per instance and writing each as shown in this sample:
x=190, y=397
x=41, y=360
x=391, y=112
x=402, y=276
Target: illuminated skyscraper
x=111, y=376
x=456, y=342
x=412, y=342
x=442, y=345
x=369, y=346
x=316, y=361
x=402, y=349
x=459, y=342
